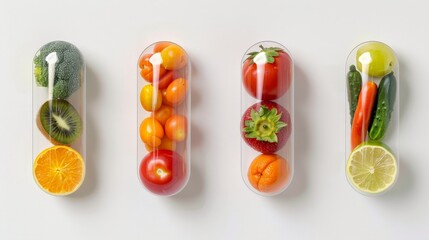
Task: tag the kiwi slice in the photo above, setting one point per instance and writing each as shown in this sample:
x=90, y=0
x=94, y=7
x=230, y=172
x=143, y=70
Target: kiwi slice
x=59, y=121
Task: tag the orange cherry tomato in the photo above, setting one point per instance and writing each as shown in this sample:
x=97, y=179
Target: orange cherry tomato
x=164, y=98
x=174, y=57
x=150, y=98
x=166, y=144
x=176, y=91
x=160, y=46
x=147, y=69
x=151, y=132
x=176, y=127
x=163, y=114
x=169, y=76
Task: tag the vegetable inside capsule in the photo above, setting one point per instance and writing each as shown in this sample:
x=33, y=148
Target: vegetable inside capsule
x=354, y=85
x=363, y=113
x=67, y=68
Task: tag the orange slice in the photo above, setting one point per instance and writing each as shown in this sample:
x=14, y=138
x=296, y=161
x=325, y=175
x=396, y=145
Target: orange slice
x=59, y=170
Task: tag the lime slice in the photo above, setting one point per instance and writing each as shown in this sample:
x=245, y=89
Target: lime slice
x=371, y=168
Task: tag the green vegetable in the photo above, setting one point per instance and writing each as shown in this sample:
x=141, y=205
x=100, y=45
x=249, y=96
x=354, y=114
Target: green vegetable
x=68, y=69
x=354, y=85
x=384, y=107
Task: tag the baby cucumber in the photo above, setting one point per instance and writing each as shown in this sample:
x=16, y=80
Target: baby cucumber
x=384, y=107
x=354, y=85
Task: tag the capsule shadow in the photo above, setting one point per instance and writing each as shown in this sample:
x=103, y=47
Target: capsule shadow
x=404, y=93
x=404, y=184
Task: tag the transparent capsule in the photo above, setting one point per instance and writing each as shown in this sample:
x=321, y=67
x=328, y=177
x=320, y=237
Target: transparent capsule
x=164, y=114
x=59, y=124
x=267, y=147
x=372, y=118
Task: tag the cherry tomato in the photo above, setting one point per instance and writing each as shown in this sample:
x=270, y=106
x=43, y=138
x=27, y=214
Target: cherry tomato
x=176, y=127
x=173, y=57
x=150, y=99
x=163, y=172
x=169, y=76
x=275, y=78
x=166, y=144
x=160, y=46
x=163, y=114
x=164, y=98
x=147, y=69
x=166, y=79
x=176, y=91
x=151, y=132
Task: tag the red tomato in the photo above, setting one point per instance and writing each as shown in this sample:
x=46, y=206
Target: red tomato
x=163, y=172
x=268, y=81
x=147, y=69
x=176, y=127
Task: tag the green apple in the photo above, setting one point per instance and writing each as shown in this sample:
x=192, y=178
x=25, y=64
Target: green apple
x=375, y=59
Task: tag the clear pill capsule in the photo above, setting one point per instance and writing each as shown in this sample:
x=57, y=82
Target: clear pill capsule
x=59, y=118
x=267, y=150
x=372, y=118
x=164, y=115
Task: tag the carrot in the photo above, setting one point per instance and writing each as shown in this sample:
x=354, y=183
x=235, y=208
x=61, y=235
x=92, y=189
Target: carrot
x=363, y=113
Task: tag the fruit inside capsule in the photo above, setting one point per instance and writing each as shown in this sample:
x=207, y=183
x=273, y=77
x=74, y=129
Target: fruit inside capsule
x=269, y=173
x=375, y=59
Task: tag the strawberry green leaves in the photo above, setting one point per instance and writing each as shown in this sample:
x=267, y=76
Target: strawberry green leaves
x=264, y=125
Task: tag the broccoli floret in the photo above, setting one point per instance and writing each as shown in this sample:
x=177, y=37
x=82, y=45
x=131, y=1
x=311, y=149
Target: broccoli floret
x=67, y=69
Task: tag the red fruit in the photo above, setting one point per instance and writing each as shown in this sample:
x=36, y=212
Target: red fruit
x=163, y=172
x=271, y=80
x=266, y=126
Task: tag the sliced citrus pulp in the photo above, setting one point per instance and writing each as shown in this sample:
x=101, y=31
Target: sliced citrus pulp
x=371, y=168
x=59, y=170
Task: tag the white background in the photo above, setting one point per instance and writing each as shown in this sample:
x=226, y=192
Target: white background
x=216, y=204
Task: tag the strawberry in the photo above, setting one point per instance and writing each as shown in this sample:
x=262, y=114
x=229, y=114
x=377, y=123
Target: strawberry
x=266, y=126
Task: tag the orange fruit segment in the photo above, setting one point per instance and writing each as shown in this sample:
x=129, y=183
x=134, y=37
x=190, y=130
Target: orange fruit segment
x=268, y=173
x=59, y=170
